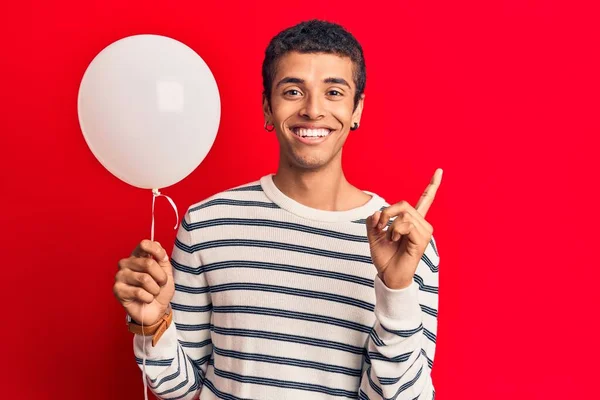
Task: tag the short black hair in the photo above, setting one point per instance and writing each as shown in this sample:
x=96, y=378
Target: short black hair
x=314, y=36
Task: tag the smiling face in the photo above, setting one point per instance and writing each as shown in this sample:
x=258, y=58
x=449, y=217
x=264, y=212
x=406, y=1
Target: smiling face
x=312, y=108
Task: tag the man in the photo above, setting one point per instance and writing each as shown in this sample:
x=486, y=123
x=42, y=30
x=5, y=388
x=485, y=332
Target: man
x=298, y=285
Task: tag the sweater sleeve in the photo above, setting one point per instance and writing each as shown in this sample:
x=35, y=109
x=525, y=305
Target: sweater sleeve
x=176, y=366
x=401, y=346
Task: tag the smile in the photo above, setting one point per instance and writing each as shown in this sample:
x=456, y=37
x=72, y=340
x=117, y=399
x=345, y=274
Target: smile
x=311, y=136
x=311, y=133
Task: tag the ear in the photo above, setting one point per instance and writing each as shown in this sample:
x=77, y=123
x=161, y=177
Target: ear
x=356, y=115
x=267, y=109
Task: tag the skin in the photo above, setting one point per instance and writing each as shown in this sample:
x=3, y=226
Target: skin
x=303, y=92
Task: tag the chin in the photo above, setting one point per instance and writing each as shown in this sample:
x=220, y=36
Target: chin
x=308, y=162
x=305, y=158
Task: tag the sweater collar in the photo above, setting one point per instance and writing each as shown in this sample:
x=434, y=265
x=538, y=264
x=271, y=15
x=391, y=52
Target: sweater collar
x=291, y=205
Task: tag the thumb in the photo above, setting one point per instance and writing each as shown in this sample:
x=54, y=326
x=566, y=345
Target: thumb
x=165, y=261
x=374, y=233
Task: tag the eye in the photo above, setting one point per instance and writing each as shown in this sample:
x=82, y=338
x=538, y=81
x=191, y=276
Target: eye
x=295, y=92
x=335, y=93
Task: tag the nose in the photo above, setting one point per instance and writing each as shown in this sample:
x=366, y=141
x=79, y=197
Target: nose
x=312, y=108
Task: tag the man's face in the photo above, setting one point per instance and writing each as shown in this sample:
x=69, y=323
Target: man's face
x=312, y=101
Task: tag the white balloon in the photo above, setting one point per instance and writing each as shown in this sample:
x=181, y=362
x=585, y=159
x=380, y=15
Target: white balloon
x=149, y=109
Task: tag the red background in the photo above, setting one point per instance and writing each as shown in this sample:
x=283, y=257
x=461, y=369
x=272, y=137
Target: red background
x=503, y=95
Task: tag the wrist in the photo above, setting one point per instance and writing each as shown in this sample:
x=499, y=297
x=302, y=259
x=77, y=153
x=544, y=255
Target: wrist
x=146, y=324
x=146, y=314
x=156, y=329
x=395, y=284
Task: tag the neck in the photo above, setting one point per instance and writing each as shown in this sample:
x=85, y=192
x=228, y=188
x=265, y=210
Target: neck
x=325, y=188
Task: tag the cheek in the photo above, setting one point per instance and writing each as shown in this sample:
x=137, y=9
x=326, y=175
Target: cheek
x=345, y=118
x=343, y=110
x=282, y=111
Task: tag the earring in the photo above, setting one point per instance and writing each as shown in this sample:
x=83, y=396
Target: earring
x=267, y=129
x=354, y=127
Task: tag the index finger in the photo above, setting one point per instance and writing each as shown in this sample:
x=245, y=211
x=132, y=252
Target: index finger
x=429, y=194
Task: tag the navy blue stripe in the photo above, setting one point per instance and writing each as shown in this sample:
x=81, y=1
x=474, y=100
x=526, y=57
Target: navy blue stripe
x=249, y=188
x=288, y=338
x=294, y=292
x=191, y=328
x=399, y=358
x=274, y=267
x=186, y=268
x=288, y=361
x=387, y=381
x=362, y=395
x=196, y=345
x=429, y=360
x=429, y=310
x=275, y=224
x=218, y=393
x=432, y=241
x=432, y=267
x=285, y=384
x=271, y=245
x=376, y=339
x=404, y=332
x=183, y=307
x=429, y=335
x=293, y=315
x=423, y=287
x=230, y=202
x=199, y=362
x=192, y=290
x=155, y=363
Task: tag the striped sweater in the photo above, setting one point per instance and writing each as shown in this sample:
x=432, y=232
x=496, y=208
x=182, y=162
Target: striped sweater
x=277, y=300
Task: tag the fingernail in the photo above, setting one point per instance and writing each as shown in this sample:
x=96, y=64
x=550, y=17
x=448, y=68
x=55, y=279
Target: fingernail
x=166, y=257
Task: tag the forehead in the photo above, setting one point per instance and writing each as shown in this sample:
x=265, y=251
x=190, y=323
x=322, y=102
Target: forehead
x=314, y=67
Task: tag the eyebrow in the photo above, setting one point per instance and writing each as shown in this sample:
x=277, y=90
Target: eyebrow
x=290, y=79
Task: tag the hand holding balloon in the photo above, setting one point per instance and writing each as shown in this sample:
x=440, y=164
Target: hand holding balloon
x=145, y=278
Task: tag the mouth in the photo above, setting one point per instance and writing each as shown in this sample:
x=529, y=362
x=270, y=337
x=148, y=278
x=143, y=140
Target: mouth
x=311, y=133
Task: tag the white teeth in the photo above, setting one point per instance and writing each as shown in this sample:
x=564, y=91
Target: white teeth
x=311, y=132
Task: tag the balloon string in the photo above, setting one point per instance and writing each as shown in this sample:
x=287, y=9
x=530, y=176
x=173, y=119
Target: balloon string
x=144, y=356
x=155, y=194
